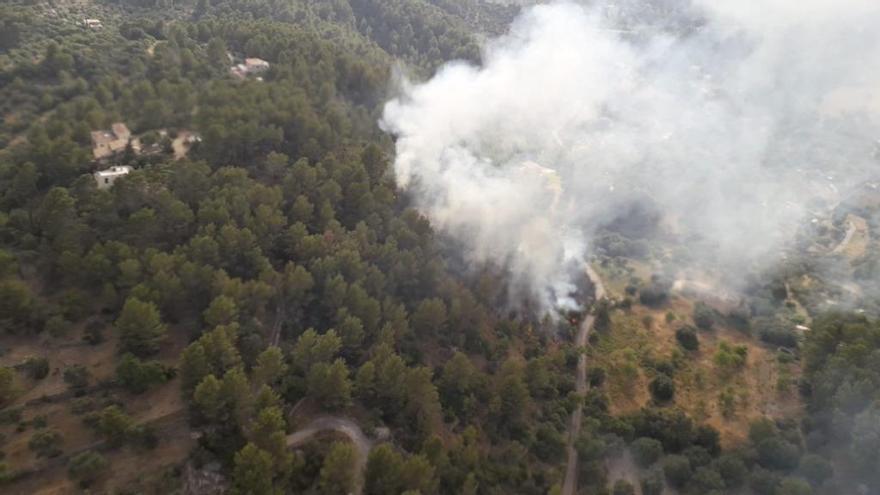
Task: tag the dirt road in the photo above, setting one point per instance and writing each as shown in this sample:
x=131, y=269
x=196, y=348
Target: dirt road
x=569, y=486
x=342, y=425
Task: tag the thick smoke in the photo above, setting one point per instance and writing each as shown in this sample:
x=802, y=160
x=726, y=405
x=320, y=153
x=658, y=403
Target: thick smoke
x=736, y=119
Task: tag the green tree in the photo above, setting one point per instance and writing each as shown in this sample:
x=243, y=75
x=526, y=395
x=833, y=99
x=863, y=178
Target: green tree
x=7, y=385
x=677, y=470
x=646, y=451
x=137, y=376
x=662, y=388
x=270, y=367
x=337, y=473
x=114, y=425
x=623, y=487
x=140, y=328
x=384, y=471
x=687, y=338
x=86, y=467
x=253, y=472
x=45, y=443
x=222, y=311
x=330, y=385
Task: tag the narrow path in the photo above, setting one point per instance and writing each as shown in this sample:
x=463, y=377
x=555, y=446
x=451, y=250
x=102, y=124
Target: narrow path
x=342, y=425
x=569, y=485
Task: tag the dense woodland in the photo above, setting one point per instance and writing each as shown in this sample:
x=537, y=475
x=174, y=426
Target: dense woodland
x=282, y=262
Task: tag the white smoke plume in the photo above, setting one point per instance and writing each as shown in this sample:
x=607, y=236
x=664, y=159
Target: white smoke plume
x=732, y=117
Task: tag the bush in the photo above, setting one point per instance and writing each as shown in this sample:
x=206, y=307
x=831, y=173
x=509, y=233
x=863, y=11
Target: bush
x=776, y=453
x=137, y=376
x=706, y=479
x=662, y=388
x=652, y=483
x=775, y=332
x=45, y=443
x=794, y=486
x=596, y=376
x=655, y=294
x=623, y=487
x=733, y=470
x=816, y=468
x=85, y=468
x=704, y=316
x=677, y=470
x=37, y=367
x=646, y=451
x=687, y=338
x=77, y=378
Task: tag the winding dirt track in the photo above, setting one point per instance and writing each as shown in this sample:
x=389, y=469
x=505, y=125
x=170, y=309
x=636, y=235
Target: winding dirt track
x=569, y=486
x=342, y=425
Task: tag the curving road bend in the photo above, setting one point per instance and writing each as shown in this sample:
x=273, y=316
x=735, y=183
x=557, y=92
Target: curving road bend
x=342, y=425
x=569, y=485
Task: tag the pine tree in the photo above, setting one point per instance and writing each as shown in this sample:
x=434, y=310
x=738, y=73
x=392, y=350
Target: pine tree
x=140, y=327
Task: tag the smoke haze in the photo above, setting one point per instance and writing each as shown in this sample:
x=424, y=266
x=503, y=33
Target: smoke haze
x=735, y=119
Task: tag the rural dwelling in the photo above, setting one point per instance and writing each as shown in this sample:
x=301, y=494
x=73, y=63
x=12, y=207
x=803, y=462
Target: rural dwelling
x=109, y=142
x=106, y=178
x=92, y=23
x=250, y=66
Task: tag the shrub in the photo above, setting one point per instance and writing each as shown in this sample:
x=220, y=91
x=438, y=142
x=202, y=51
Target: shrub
x=662, y=388
x=77, y=378
x=137, y=376
x=775, y=332
x=596, y=376
x=687, y=338
x=733, y=470
x=652, y=483
x=85, y=468
x=704, y=316
x=677, y=470
x=37, y=367
x=646, y=451
x=816, y=468
x=623, y=487
x=45, y=443
x=655, y=294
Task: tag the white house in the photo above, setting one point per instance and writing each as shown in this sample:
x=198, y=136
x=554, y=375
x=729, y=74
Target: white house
x=106, y=178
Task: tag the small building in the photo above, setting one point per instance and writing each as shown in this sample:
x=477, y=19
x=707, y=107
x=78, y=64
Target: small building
x=250, y=66
x=256, y=65
x=92, y=23
x=106, y=178
x=107, y=143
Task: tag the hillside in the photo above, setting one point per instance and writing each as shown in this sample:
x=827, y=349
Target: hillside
x=210, y=282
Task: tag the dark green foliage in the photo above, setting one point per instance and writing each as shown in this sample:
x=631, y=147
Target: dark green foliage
x=7, y=385
x=662, y=388
x=704, y=316
x=86, y=467
x=37, y=367
x=137, y=376
x=677, y=470
x=45, y=443
x=815, y=468
x=687, y=338
x=653, y=482
x=596, y=376
x=732, y=469
x=77, y=378
x=623, y=487
x=775, y=332
x=646, y=451
x=140, y=328
x=655, y=293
